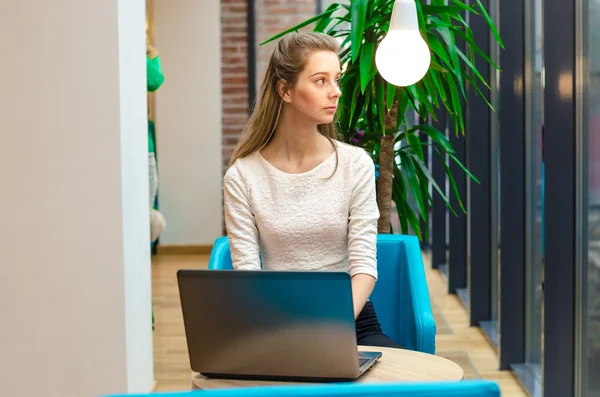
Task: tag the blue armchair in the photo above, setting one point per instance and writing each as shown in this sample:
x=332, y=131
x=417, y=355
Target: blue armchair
x=466, y=388
x=401, y=296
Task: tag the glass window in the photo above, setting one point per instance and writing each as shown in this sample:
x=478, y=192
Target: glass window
x=591, y=134
x=535, y=187
x=491, y=327
x=495, y=168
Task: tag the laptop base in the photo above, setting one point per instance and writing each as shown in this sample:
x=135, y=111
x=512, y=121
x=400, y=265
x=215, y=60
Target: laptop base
x=366, y=359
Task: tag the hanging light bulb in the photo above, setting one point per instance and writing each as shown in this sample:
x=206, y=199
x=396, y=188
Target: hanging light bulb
x=403, y=57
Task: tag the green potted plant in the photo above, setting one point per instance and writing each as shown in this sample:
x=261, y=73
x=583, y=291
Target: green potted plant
x=376, y=114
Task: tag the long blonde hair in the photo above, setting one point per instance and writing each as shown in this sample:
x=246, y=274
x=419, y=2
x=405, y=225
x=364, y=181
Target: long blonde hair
x=286, y=62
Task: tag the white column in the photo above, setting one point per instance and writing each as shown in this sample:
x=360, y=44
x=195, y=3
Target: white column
x=188, y=120
x=75, y=285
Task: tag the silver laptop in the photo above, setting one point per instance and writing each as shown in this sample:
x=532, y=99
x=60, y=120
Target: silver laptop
x=296, y=326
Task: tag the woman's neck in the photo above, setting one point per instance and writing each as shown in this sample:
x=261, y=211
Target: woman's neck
x=295, y=139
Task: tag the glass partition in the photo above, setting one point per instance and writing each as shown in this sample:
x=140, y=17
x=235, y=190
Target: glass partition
x=491, y=327
x=591, y=222
x=534, y=98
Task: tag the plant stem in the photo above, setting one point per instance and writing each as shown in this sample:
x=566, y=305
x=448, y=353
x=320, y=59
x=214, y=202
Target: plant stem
x=384, y=183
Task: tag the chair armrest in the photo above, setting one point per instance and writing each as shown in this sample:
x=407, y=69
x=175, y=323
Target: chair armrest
x=415, y=281
x=220, y=257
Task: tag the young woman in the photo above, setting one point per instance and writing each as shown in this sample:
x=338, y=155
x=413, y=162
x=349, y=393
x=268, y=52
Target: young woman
x=296, y=197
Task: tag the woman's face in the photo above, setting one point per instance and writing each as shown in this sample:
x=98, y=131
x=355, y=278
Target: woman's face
x=316, y=92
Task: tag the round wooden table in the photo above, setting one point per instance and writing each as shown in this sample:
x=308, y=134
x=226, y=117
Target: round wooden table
x=395, y=365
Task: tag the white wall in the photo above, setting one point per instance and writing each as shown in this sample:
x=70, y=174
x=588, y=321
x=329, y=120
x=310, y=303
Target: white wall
x=134, y=195
x=188, y=120
x=75, y=288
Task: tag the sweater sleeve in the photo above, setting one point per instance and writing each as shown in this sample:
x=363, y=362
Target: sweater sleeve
x=363, y=216
x=239, y=221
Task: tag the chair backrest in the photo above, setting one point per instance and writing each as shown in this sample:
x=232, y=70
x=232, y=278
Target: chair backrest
x=220, y=255
x=401, y=289
x=387, y=297
x=465, y=388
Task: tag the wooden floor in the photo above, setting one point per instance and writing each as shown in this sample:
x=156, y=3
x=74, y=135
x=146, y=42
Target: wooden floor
x=455, y=340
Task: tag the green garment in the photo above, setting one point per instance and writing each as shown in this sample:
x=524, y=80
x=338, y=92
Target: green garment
x=151, y=136
x=154, y=73
x=154, y=79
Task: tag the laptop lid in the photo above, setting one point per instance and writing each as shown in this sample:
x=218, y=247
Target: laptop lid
x=268, y=324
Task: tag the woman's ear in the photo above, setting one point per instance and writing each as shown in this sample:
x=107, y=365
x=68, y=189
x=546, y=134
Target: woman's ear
x=283, y=90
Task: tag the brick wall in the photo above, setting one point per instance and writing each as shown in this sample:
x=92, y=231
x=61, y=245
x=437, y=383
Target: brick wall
x=234, y=69
x=271, y=17
x=275, y=16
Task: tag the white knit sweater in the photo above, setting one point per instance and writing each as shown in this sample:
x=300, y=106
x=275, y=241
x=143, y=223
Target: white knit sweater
x=303, y=221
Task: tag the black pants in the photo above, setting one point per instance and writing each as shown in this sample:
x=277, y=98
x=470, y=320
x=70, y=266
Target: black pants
x=368, y=329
